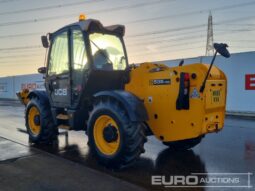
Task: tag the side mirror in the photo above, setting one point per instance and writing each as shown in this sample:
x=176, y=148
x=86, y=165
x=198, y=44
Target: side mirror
x=45, y=41
x=222, y=49
x=42, y=70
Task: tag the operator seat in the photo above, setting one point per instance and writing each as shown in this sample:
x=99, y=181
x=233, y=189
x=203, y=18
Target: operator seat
x=101, y=60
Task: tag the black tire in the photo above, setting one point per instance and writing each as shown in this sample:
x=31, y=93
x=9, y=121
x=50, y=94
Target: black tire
x=183, y=144
x=48, y=131
x=132, y=135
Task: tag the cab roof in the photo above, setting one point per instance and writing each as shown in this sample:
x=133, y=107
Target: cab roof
x=93, y=25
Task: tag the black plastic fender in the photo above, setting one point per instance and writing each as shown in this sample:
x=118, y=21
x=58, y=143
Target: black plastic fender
x=42, y=95
x=131, y=103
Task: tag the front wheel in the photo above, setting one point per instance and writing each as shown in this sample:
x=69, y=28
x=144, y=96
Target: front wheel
x=114, y=139
x=39, y=122
x=183, y=144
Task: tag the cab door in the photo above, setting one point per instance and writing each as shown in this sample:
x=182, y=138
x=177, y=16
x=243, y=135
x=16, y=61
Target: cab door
x=58, y=74
x=79, y=65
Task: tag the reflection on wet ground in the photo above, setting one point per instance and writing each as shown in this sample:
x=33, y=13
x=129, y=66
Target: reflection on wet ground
x=167, y=163
x=230, y=151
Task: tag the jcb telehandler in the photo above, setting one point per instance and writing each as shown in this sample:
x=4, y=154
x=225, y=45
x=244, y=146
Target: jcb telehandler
x=90, y=86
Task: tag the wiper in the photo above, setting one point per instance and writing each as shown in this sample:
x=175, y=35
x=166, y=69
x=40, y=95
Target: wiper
x=101, y=52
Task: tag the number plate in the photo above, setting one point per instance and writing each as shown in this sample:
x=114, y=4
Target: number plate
x=216, y=95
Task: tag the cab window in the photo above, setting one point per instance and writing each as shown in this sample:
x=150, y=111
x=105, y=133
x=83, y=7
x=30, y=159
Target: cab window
x=59, y=58
x=108, y=52
x=80, y=60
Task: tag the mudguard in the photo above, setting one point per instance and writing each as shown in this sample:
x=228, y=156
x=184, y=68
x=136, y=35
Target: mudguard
x=42, y=95
x=131, y=103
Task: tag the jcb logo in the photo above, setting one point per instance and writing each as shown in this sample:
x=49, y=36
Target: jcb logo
x=60, y=92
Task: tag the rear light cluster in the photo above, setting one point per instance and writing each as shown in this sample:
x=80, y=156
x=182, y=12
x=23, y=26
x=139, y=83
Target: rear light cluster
x=182, y=101
x=186, y=76
x=186, y=83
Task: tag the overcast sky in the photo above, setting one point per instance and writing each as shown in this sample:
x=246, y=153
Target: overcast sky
x=155, y=29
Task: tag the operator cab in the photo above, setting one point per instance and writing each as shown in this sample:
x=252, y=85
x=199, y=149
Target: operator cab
x=83, y=59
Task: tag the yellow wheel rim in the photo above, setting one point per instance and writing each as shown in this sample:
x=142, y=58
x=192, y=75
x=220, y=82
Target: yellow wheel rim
x=34, y=127
x=106, y=147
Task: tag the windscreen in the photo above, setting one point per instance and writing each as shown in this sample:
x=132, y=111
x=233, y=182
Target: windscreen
x=107, y=51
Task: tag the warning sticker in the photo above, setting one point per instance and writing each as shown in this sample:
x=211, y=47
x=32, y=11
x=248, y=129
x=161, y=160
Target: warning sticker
x=195, y=94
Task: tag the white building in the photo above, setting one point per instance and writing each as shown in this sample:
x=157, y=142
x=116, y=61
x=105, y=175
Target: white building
x=10, y=85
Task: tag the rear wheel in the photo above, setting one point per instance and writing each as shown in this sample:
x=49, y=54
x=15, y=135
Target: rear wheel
x=39, y=122
x=183, y=144
x=114, y=139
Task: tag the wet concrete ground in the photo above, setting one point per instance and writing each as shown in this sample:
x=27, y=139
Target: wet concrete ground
x=25, y=168
x=229, y=151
